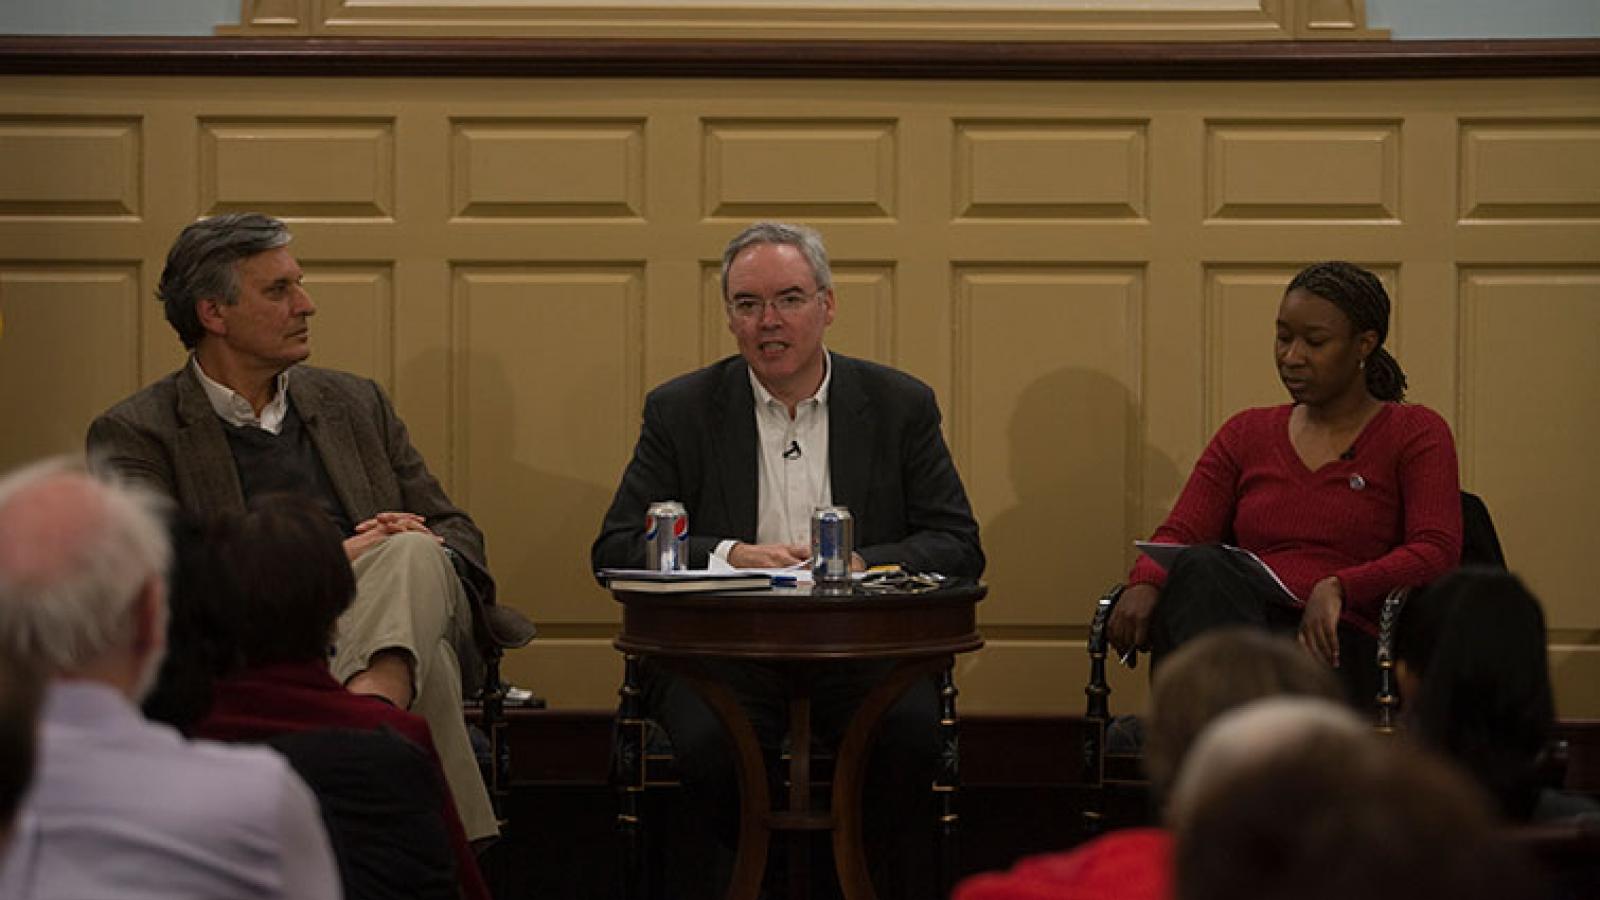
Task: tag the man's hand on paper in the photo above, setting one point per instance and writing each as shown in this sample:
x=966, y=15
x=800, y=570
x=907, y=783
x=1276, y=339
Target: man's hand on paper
x=1129, y=627
x=1319, y=624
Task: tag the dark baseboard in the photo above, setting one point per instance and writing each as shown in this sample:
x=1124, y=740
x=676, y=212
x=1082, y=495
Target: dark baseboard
x=1026, y=787
x=572, y=747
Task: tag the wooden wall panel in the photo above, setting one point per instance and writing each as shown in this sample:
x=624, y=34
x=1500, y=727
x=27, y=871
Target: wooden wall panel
x=1530, y=169
x=355, y=315
x=1043, y=417
x=547, y=387
x=77, y=167
x=1085, y=272
x=779, y=20
x=1051, y=170
x=1530, y=379
x=313, y=168
x=1301, y=169
x=80, y=311
x=836, y=168
x=540, y=169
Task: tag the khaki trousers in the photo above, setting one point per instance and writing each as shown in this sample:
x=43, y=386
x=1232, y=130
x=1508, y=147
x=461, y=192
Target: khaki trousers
x=408, y=598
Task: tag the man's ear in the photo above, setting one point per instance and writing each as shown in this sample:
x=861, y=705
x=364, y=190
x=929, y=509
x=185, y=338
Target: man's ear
x=150, y=617
x=209, y=311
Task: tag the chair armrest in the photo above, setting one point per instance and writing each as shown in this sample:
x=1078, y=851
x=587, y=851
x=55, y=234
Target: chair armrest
x=1098, y=689
x=494, y=627
x=1388, y=699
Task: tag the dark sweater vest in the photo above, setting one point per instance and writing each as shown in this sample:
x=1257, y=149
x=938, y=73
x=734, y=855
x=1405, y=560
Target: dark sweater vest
x=287, y=461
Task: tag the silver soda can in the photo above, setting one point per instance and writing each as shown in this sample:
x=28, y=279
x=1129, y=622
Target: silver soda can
x=833, y=542
x=666, y=536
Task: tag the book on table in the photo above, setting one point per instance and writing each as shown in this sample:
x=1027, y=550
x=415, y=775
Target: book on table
x=683, y=581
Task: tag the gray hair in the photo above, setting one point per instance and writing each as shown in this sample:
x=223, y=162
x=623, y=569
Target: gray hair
x=1272, y=728
x=801, y=237
x=76, y=550
x=200, y=265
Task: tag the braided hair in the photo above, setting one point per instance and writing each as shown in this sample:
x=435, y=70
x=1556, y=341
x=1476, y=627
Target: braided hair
x=1361, y=297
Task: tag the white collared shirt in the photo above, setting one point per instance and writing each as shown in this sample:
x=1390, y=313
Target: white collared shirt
x=236, y=410
x=792, y=475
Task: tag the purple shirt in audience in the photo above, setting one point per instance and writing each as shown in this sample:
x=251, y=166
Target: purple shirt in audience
x=125, y=808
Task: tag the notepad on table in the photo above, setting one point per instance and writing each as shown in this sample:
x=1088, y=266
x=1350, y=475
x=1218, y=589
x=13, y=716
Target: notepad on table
x=683, y=581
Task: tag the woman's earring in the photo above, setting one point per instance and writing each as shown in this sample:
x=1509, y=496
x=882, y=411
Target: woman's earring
x=1363, y=364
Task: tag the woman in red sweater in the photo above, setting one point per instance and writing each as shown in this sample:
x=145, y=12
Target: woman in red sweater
x=1345, y=493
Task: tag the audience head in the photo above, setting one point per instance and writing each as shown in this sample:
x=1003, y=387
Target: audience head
x=1248, y=736
x=293, y=580
x=803, y=238
x=20, y=690
x=82, y=576
x=250, y=590
x=1360, y=295
x=1297, y=799
x=201, y=265
x=200, y=644
x=1217, y=672
x=1475, y=679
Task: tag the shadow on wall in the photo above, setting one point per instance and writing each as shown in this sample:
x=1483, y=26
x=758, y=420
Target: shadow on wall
x=1077, y=477
x=538, y=524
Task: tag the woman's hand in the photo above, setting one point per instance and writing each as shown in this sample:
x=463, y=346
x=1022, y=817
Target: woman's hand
x=1319, y=624
x=1129, y=626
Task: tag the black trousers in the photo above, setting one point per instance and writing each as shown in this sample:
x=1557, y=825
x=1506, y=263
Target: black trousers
x=1209, y=587
x=900, y=771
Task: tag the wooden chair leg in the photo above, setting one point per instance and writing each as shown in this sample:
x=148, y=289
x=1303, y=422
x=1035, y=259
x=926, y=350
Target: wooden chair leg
x=492, y=697
x=628, y=761
x=948, y=783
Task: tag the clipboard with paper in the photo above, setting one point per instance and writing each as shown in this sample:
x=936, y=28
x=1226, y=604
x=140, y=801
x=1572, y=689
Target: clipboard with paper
x=1164, y=555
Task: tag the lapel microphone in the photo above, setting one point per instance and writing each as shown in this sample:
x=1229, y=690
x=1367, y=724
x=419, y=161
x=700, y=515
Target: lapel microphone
x=793, y=452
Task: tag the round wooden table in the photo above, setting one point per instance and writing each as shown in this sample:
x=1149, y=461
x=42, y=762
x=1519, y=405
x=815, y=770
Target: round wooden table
x=919, y=632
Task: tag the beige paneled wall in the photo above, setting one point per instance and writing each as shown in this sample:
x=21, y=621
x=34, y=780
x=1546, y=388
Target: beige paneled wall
x=1086, y=273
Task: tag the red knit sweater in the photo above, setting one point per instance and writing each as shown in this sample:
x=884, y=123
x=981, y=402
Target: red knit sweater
x=1388, y=516
x=1133, y=864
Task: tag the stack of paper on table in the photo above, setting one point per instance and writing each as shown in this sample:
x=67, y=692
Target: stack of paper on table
x=684, y=580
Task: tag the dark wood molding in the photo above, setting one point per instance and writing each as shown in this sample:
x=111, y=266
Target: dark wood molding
x=957, y=60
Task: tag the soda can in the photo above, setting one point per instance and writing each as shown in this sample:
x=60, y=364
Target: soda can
x=833, y=542
x=666, y=536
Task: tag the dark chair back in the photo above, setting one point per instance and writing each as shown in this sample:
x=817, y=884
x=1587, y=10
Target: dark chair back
x=380, y=799
x=1480, y=545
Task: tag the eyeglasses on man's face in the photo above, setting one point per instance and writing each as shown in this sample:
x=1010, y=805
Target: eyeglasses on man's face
x=784, y=304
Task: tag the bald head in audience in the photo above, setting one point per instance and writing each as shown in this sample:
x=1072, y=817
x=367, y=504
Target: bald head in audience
x=1213, y=674
x=1297, y=799
x=82, y=577
x=121, y=807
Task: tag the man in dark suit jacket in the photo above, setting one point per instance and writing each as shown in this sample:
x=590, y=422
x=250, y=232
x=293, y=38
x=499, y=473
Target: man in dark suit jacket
x=244, y=418
x=750, y=445
x=887, y=460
